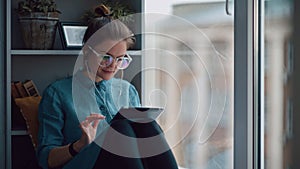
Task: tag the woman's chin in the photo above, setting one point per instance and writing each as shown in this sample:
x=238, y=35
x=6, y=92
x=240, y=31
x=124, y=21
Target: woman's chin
x=107, y=77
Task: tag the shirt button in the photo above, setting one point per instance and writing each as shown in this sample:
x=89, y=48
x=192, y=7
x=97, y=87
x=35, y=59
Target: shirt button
x=102, y=108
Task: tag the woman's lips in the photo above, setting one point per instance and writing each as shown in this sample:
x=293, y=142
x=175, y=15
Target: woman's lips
x=108, y=71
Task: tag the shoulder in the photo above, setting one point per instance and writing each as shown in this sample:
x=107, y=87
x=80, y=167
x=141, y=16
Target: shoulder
x=59, y=86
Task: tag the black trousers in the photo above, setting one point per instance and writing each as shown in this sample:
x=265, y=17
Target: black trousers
x=108, y=160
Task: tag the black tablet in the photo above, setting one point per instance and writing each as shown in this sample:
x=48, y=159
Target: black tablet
x=139, y=114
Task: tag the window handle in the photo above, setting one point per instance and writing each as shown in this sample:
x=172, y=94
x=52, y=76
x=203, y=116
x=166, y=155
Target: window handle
x=227, y=7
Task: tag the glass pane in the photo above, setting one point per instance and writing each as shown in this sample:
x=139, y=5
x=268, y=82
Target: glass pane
x=278, y=70
x=188, y=70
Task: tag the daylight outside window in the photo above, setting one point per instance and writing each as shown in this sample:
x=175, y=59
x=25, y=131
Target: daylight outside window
x=188, y=70
x=278, y=70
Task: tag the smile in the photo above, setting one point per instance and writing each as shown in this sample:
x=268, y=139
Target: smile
x=108, y=71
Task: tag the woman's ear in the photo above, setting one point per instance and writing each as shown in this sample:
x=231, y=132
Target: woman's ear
x=85, y=50
x=86, y=66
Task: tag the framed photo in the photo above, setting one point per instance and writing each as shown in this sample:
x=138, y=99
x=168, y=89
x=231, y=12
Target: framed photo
x=71, y=34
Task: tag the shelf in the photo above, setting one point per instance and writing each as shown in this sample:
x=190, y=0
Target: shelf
x=59, y=52
x=45, y=52
x=19, y=132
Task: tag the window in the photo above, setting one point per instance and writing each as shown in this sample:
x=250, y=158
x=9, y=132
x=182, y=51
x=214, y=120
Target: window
x=188, y=70
x=278, y=69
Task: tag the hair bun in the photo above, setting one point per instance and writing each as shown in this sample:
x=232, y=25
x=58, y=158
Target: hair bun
x=103, y=11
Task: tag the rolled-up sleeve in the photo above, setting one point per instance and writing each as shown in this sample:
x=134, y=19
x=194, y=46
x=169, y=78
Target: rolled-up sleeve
x=51, y=123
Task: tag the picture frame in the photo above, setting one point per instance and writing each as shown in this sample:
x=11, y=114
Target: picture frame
x=71, y=34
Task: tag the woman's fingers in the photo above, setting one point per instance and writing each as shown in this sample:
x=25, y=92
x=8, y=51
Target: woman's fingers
x=94, y=117
x=84, y=123
x=89, y=127
x=95, y=124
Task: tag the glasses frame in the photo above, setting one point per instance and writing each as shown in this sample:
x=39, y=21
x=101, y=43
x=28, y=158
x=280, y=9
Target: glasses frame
x=115, y=59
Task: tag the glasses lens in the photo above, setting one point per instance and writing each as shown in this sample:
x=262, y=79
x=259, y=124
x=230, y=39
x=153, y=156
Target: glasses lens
x=106, y=60
x=121, y=62
x=124, y=62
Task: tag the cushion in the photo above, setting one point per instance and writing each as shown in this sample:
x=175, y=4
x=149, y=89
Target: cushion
x=29, y=109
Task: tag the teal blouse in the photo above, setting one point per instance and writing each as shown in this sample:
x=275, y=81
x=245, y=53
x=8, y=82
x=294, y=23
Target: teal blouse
x=67, y=102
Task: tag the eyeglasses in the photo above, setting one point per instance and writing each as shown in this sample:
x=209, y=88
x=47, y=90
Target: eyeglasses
x=106, y=60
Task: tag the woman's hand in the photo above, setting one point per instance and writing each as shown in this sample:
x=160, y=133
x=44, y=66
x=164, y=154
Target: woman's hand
x=89, y=129
x=60, y=155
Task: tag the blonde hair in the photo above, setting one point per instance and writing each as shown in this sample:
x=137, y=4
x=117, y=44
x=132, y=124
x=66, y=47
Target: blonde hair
x=111, y=29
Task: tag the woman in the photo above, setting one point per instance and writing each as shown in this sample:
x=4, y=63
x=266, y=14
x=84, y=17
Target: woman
x=75, y=111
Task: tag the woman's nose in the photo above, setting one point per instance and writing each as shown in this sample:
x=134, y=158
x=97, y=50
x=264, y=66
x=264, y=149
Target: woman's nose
x=114, y=63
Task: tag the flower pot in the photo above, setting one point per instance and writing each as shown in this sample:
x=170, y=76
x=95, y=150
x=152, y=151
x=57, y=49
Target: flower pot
x=39, y=29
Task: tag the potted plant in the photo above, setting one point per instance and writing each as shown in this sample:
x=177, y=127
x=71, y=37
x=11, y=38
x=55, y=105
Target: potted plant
x=39, y=20
x=118, y=10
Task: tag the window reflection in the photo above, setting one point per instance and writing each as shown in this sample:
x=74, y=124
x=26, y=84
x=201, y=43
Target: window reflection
x=188, y=70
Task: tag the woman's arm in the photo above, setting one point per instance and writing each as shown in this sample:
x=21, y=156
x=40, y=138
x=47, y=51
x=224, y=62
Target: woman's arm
x=51, y=150
x=61, y=155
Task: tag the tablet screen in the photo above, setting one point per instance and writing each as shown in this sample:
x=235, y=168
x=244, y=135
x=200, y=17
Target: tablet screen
x=139, y=114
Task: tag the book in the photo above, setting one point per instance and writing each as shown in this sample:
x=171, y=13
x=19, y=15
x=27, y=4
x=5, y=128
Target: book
x=21, y=89
x=30, y=88
x=14, y=91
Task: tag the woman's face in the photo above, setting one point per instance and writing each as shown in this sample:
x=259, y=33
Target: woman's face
x=112, y=48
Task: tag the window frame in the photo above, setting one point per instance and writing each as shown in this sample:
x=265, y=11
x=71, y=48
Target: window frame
x=245, y=84
x=2, y=86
